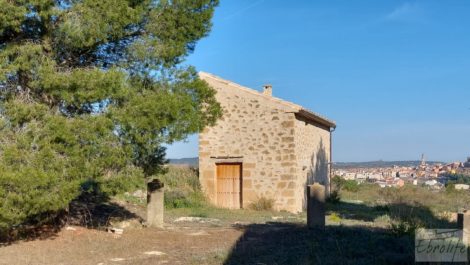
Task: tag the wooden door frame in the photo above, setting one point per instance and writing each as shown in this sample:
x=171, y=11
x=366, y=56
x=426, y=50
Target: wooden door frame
x=241, y=180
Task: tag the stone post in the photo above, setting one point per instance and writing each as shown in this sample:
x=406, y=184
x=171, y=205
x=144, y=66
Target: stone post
x=463, y=222
x=155, y=206
x=316, y=206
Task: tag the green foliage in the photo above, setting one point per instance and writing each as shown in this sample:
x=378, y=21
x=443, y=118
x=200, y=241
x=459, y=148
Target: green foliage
x=334, y=198
x=334, y=217
x=382, y=208
x=262, y=204
x=338, y=183
x=90, y=91
x=458, y=179
x=437, y=202
x=450, y=188
x=184, y=199
x=129, y=179
x=405, y=227
x=182, y=188
x=351, y=185
x=406, y=218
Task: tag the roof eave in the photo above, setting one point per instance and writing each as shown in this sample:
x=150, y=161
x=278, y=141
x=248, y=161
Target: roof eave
x=313, y=117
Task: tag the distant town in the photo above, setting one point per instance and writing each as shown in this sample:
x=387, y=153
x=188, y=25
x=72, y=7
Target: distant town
x=434, y=175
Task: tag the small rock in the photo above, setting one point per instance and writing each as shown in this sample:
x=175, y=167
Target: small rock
x=132, y=223
x=139, y=194
x=116, y=231
x=240, y=224
x=155, y=253
x=70, y=228
x=196, y=219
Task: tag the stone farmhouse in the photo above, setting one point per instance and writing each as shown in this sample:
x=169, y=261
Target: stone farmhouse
x=262, y=147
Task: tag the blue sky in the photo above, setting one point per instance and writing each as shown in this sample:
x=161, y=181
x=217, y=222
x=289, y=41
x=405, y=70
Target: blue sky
x=394, y=75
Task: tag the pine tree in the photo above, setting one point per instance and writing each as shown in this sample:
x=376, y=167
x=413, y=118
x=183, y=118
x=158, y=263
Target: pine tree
x=92, y=90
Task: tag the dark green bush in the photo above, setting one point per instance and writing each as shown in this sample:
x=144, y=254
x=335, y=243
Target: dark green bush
x=334, y=197
x=351, y=185
x=405, y=227
x=129, y=180
x=337, y=183
x=382, y=208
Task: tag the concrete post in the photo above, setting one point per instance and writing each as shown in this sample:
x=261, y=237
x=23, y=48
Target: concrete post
x=155, y=206
x=316, y=206
x=463, y=222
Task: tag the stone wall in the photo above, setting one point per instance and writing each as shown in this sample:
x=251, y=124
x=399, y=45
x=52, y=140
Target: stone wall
x=265, y=136
x=312, y=147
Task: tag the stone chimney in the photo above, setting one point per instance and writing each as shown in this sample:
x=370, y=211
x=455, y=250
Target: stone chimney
x=268, y=90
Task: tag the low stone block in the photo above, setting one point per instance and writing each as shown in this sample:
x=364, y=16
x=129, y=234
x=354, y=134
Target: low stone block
x=316, y=209
x=155, y=203
x=463, y=222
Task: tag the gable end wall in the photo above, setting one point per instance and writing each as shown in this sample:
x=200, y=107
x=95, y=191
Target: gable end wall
x=260, y=134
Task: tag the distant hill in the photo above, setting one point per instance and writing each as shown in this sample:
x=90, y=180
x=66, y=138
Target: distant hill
x=191, y=161
x=370, y=164
x=194, y=161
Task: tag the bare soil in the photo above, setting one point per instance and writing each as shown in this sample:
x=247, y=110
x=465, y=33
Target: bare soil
x=354, y=235
x=172, y=245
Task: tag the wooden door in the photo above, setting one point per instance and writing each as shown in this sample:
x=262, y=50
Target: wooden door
x=229, y=185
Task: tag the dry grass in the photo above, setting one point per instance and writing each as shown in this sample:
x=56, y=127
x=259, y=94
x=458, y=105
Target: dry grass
x=262, y=204
x=437, y=201
x=182, y=188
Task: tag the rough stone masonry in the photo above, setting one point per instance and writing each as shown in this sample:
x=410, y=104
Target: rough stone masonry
x=281, y=147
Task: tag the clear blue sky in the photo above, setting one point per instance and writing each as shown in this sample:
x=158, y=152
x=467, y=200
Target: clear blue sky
x=394, y=75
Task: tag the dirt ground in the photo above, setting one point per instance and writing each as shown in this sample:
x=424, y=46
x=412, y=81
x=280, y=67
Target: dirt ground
x=262, y=243
x=172, y=245
x=218, y=236
x=207, y=236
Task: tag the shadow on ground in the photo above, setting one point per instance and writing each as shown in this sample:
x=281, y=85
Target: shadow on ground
x=281, y=243
x=398, y=212
x=284, y=243
x=97, y=212
x=93, y=210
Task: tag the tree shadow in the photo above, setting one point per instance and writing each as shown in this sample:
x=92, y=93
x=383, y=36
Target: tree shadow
x=318, y=172
x=417, y=214
x=97, y=211
x=281, y=243
x=92, y=209
x=288, y=243
x=359, y=212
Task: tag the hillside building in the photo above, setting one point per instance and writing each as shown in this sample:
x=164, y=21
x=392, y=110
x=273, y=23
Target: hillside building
x=262, y=147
